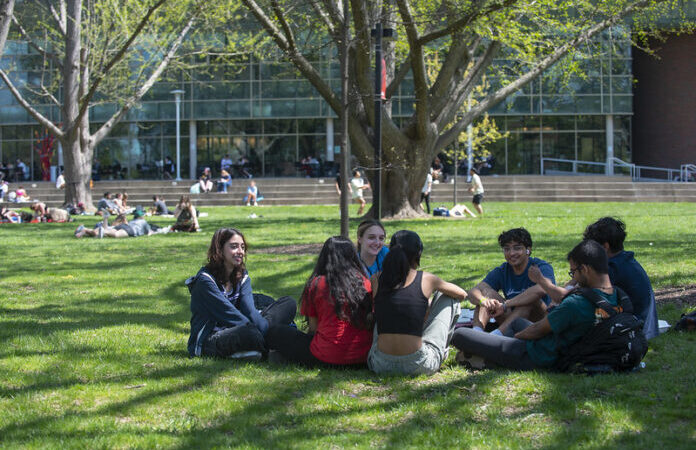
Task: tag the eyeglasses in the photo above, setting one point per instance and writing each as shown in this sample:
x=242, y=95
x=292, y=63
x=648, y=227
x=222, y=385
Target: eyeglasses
x=572, y=271
x=513, y=248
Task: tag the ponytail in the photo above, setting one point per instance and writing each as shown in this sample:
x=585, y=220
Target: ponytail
x=405, y=250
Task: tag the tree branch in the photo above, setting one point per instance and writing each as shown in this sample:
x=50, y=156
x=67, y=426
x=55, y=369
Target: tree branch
x=284, y=24
x=34, y=113
x=45, y=53
x=61, y=17
x=326, y=18
x=420, y=80
x=109, y=124
x=501, y=94
x=85, y=101
x=300, y=62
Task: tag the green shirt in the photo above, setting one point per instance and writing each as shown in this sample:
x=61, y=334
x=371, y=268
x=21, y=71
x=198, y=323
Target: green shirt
x=570, y=321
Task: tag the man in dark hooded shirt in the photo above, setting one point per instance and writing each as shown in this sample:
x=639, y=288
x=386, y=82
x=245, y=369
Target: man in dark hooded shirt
x=625, y=272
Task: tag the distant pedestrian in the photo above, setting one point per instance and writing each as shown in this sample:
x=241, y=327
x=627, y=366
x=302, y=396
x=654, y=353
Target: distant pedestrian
x=427, y=188
x=357, y=186
x=476, y=189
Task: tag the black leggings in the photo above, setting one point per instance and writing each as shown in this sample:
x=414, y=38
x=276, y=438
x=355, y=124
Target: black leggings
x=502, y=351
x=247, y=337
x=293, y=344
x=426, y=197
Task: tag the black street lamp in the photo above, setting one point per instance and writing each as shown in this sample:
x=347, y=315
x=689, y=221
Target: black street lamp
x=380, y=94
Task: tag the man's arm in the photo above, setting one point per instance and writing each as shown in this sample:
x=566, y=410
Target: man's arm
x=536, y=330
x=555, y=292
x=527, y=297
x=484, y=295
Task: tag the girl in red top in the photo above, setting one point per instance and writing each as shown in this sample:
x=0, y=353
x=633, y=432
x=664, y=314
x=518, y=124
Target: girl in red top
x=337, y=301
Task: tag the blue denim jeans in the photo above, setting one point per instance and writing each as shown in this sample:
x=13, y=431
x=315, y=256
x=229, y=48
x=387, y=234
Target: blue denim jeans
x=437, y=333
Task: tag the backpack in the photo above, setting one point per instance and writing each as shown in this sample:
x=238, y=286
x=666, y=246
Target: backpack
x=615, y=343
x=687, y=322
x=441, y=211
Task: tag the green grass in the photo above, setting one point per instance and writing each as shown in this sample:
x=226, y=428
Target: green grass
x=94, y=334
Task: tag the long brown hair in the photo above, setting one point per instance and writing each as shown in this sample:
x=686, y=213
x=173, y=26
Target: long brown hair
x=362, y=228
x=216, y=260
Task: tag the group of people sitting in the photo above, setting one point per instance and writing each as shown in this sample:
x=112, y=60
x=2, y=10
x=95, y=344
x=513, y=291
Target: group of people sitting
x=367, y=304
x=115, y=205
x=185, y=213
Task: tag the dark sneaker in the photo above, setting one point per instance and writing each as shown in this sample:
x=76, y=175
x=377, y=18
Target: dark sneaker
x=473, y=362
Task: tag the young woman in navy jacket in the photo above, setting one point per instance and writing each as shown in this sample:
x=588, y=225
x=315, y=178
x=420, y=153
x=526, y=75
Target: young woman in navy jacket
x=224, y=319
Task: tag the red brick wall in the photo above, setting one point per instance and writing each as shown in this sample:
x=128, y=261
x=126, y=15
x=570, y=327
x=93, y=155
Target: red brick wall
x=664, y=103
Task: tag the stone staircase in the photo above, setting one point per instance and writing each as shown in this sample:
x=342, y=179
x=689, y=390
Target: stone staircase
x=321, y=191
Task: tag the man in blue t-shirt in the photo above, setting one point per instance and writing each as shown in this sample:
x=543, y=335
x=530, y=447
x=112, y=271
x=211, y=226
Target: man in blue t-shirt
x=520, y=297
x=625, y=272
x=538, y=345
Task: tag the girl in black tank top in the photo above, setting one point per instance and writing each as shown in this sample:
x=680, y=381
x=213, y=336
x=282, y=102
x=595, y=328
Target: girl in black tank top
x=402, y=311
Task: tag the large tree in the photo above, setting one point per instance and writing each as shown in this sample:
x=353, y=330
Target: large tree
x=98, y=52
x=465, y=36
x=6, y=10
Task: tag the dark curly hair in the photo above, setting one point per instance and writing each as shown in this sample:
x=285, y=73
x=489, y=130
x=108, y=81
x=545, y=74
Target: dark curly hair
x=216, y=260
x=609, y=230
x=520, y=235
x=338, y=262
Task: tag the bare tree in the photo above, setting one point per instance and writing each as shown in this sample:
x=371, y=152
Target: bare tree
x=91, y=46
x=6, y=9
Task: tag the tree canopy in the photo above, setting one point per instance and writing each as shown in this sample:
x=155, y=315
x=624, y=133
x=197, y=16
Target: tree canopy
x=456, y=42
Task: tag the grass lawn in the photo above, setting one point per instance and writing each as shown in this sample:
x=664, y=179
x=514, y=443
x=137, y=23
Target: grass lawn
x=94, y=335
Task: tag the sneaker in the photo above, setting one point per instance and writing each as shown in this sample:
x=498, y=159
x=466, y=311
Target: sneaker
x=79, y=230
x=251, y=355
x=472, y=362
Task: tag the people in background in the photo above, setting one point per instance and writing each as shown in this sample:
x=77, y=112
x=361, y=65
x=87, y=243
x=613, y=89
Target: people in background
x=427, y=188
x=205, y=181
x=60, y=181
x=186, y=216
x=357, y=186
x=476, y=189
x=169, y=168
x=224, y=182
x=252, y=194
x=159, y=207
x=226, y=163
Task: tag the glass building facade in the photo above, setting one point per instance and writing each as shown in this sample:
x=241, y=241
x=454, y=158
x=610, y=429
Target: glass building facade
x=264, y=111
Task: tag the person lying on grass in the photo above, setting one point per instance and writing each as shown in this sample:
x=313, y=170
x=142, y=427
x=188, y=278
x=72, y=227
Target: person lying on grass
x=120, y=228
x=521, y=297
x=412, y=332
x=224, y=320
x=624, y=272
x=337, y=301
x=529, y=346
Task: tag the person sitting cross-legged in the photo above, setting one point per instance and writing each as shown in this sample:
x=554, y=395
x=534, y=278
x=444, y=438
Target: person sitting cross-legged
x=529, y=346
x=521, y=297
x=337, y=301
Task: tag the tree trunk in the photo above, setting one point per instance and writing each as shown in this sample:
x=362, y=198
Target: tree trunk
x=78, y=172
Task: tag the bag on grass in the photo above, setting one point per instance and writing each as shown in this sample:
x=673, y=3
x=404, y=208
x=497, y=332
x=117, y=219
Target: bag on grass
x=440, y=211
x=687, y=322
x=615, y=343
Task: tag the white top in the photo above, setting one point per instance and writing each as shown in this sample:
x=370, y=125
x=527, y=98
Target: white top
x=60, y=181
x=476, y=184
x=428, y=184
x=356, y=185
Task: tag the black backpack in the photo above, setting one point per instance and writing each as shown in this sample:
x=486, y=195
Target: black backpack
x=616, y=343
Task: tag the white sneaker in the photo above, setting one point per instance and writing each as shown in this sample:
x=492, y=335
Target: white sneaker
x=251, y=355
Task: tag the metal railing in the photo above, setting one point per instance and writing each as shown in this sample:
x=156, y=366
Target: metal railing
x=687, y=172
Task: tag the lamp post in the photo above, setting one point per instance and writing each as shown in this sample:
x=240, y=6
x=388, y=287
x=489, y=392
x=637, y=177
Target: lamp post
x=380, y=94
x=177, y=99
